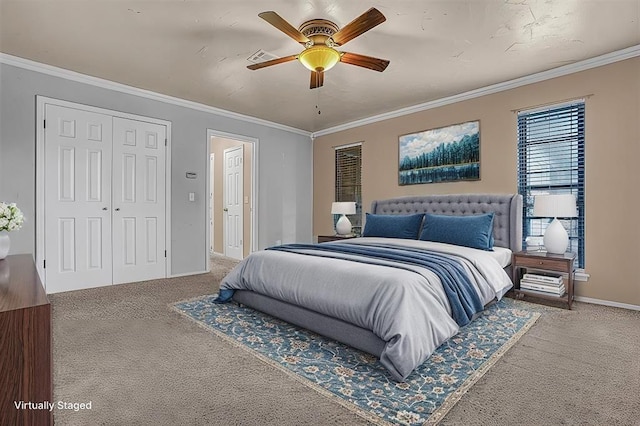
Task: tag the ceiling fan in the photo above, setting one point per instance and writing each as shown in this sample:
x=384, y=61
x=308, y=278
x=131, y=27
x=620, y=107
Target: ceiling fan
x=320, y=37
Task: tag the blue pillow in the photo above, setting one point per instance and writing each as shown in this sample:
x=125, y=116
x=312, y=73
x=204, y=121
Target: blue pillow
x=393, y=225
x=475, y=231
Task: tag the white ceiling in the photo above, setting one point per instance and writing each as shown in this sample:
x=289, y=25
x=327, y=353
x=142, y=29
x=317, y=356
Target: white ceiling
x=198, y=50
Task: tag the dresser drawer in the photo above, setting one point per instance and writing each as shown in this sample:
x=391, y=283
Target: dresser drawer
x=561, y=265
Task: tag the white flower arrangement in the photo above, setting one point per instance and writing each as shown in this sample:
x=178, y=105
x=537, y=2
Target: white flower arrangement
x=11, y=217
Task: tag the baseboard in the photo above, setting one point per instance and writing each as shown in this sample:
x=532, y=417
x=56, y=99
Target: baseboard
x=187, y=274
x=607, y=303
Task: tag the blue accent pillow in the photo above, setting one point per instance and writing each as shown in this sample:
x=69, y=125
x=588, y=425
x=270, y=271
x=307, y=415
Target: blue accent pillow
x=475, y=231
x=393, y=225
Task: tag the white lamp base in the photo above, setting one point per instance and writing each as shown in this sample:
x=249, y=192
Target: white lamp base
x=343, y=227
x=556, y=239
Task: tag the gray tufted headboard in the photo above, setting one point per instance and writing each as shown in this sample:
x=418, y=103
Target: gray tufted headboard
x=507, y=209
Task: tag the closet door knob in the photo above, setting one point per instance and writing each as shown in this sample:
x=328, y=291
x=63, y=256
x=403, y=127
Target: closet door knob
x=104, y=208
x=117, y=209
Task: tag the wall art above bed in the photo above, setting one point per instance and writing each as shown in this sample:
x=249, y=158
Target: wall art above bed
x=444, y=154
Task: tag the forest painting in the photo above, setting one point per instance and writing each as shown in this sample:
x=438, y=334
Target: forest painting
x=440, y=155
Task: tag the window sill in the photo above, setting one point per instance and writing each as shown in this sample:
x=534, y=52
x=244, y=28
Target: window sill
x=581, y=275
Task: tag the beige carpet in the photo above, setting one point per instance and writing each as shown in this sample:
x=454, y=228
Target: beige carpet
x=139, y=362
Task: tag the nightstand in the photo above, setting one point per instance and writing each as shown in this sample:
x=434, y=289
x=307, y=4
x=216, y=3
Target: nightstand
x=545, y=262
x=327, y=238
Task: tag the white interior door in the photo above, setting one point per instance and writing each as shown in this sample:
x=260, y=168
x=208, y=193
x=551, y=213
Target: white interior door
x=77, y=170
x=233, y=208
x=138, y=200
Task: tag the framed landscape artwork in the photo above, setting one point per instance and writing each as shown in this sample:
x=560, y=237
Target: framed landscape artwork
x=444, y=154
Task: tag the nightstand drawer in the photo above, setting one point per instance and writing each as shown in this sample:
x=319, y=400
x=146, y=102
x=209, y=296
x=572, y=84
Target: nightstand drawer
x=542, y=263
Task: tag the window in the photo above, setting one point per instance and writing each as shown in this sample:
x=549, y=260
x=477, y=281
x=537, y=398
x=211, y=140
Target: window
x=348, y=181
x=551, y=161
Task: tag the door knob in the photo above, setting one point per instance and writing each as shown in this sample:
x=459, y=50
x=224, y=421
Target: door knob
x=225, y=209
x=117, y=209
x=104, y=208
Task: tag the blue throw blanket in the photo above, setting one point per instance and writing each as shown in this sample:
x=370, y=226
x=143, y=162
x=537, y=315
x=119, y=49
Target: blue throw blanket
x=463, y=298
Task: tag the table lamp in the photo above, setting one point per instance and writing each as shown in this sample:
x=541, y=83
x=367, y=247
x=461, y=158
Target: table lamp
x=556, y=239
x=343, y=227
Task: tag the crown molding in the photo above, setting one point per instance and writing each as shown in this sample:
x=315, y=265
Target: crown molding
x=598, y=61
x=609, y=58
x=123, y=88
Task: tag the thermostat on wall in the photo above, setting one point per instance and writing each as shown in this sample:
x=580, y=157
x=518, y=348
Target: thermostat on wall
x=191, y=175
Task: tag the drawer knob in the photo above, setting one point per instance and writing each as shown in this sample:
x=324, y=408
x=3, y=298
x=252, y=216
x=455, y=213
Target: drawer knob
x=541, y=262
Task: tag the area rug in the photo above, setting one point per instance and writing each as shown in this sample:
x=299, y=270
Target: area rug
x=356, y=380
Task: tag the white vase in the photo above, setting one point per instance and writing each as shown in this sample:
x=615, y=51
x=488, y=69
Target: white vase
x=5, y=243
x=556, y=239
x=343, y=226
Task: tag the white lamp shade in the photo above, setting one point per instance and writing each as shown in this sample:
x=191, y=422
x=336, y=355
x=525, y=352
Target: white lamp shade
x=345, y=207
x=556, y=205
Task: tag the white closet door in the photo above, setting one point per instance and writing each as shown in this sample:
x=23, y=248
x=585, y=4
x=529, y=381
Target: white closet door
x=138, y=200
x=77, y=237
x=233, y=207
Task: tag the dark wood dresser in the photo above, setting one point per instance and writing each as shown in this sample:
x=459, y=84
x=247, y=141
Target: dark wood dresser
x=25, y=344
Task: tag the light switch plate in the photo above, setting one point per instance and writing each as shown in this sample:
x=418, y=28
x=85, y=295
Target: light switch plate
x=192, y=196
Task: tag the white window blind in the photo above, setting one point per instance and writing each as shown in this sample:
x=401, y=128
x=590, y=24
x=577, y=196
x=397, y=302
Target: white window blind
x=349, y=181
x=551, y=161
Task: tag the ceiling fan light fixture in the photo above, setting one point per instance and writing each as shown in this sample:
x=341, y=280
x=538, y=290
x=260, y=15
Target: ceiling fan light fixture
x=319, y=58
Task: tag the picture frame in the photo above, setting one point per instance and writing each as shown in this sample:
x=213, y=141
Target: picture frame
x=444, y=154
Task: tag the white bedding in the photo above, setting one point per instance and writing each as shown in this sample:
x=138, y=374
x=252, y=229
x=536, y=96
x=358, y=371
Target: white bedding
x=502, y=255
x=408, y=310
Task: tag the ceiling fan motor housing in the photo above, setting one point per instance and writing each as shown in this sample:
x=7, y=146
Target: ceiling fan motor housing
x=319, y=31
x=319, y=54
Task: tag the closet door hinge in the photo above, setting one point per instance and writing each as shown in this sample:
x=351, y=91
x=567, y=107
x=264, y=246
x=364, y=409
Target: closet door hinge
x=44, y=264
x=165, y=253
x=165, y=142
x=45, y=123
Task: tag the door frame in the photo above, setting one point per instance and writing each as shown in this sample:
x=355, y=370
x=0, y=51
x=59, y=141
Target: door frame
x=253, y=211
x=41, y=101
x=212, y=196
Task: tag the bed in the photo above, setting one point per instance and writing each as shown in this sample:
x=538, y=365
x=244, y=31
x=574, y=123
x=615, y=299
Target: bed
x=383, y=306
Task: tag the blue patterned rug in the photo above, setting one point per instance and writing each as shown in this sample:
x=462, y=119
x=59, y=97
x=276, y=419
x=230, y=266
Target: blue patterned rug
x=356, y=380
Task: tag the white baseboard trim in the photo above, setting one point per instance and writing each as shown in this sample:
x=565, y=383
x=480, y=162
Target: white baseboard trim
x=607, y=303
x=187, y=274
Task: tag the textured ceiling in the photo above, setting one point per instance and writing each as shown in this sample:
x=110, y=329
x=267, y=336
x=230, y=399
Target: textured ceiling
x=198, y=50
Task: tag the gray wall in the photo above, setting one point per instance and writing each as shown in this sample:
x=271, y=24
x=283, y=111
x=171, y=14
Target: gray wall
x=284, y=174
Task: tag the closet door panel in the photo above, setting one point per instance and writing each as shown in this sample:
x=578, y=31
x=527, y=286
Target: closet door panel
x=77, y=169
x=138, y=200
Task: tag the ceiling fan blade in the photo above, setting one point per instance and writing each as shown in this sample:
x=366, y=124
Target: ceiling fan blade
x=317, y=79
x=370, y=62
x=272, y=62
x=278, y=22
x=360, y=25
